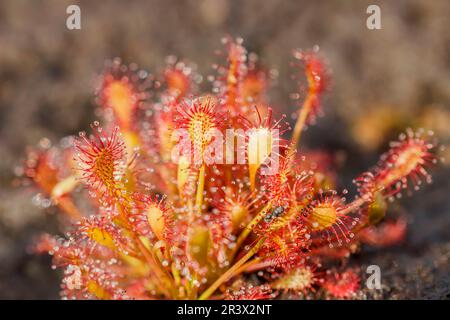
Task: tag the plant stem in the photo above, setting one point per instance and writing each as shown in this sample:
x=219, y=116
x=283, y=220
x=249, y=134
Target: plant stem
x=248, y=265
x=68, y=207
x=200, y=188
x=252, y=169
x=352, y=206
x=244, y=234
x=301, y=121
x=161, y=274
x=232, y=271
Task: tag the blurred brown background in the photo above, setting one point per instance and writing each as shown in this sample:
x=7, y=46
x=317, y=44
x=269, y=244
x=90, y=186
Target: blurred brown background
x=399, y=74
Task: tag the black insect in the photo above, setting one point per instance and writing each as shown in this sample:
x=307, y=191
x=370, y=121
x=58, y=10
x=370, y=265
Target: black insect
x=278, y=211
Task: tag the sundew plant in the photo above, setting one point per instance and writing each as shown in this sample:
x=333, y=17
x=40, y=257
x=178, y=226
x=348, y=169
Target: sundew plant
x=180, y=194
